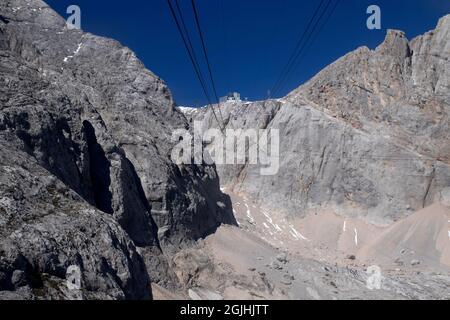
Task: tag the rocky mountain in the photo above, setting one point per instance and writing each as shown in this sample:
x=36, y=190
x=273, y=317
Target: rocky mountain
x=86, y=175
x=87, y=179
x=368, y=136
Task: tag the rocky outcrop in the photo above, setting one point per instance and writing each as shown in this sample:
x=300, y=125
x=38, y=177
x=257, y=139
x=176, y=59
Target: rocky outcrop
x=45, y=227
x=401, y=90
x=368, y=136
x=86, y=178
x=86, y=112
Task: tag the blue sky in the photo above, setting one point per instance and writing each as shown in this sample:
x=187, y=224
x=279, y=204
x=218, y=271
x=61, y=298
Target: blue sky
x=249, y=41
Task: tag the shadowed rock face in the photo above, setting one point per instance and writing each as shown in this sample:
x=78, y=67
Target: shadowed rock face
x=45, y=227
x=85, y=112
x=367, y=136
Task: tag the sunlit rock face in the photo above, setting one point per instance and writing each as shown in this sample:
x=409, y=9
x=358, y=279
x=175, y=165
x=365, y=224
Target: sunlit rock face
x=368, y=136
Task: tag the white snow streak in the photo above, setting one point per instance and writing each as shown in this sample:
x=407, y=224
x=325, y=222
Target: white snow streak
x=298, y=235
x=77, y=50
x=449, y=230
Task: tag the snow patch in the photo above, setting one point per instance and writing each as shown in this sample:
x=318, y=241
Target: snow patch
x=77, y=50
x=249, y=215
x=297, y=234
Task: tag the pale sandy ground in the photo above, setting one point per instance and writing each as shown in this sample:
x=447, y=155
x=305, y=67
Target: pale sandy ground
x=321, y=256
x=326, y=236
x=423, y=236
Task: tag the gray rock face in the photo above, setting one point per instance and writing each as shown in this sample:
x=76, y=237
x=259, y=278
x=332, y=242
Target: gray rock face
x=45, y=227
x=401, y=89
x=84, y=110
x=368, y=136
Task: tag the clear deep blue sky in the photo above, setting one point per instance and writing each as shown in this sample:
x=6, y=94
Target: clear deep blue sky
x=249, y=41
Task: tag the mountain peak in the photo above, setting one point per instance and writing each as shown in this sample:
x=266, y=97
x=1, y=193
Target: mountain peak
x=395, y=44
